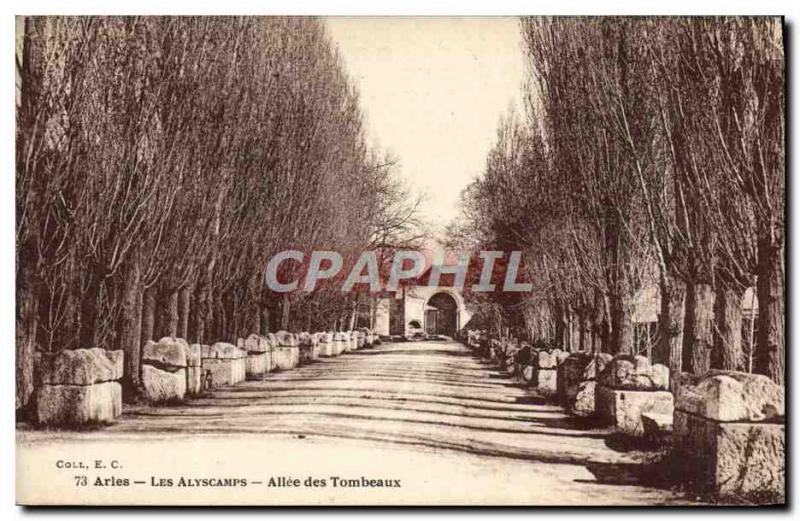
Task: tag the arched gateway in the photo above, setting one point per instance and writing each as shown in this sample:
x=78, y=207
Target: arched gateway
x=441, y=315
x=438, y=310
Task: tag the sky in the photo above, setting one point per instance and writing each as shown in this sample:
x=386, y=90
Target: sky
x=432, y=91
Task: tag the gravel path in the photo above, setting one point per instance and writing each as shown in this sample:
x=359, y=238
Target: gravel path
x=426, y=411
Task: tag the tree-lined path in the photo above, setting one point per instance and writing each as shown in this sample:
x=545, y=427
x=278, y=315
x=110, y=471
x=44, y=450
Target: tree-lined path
x=432, y=401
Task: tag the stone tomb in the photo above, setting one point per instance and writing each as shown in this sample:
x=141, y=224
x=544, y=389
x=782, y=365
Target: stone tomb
x=350, y=342
x=286, y=354
x=327, y=346
x=78, y=387
x=508, y=359
x=194, y=370
x=576, y=381
x=225, y=363
x=629, y=386
x=544, y=371
x=259, y=355
x=342, y=342
x=729, y=430
x=164, y=365
x=522, y=362
x=369, y=338
x=309, y=347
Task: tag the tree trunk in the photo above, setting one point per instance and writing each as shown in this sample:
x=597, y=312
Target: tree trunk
x=184, y=306
x=148, y=314
x=27, y=305
x=582, y=329
x=255, y=320
x=770, y=287
x=560, y=328
x=621, y=324
x=129, y=335
x=670, y=324
x=727, y=352
x=199, y=313
x=172, y=314
x=26, y=324
x=218, y=310
x=263, y=315
x=89, y=300
x=697, y=328
x=285, y=313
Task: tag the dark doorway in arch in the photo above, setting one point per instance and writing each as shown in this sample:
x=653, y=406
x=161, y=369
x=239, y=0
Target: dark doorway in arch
x=441, y=315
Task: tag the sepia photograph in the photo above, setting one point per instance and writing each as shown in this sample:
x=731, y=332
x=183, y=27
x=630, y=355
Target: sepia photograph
x=400, y=260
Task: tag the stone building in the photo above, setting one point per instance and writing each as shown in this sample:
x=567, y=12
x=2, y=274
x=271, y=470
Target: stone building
x=418, y=307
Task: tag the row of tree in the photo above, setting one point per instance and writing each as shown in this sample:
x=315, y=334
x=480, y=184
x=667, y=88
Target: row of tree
x=650, y=154
x=161, y=161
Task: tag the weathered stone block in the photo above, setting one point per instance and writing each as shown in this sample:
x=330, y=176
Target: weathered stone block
x=560, y=356
x=225, y=371
x=340, y=342
x=166, y=353
x=623, y=408
x=570, y=375
x=656, y=424
x=285, y=358
x=634, y=373
x=222, y=350
x=257, y=364
x=225, y=362
x=730, y=396
x=527, y=373
x=731, y=458
x=327, y=347
x=174, y=340
x=256, y=344
x=545, y=381
x=583, y=403
x=596, y=366
x=194, y=380
x=162, y=385
x=194, y=356
x=545, y=360
x=284, y=338
x=65, y=405
x=309, y=349
x=81, y=367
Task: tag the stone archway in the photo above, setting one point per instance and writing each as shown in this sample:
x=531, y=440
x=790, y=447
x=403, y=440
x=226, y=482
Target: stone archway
x=441, y=314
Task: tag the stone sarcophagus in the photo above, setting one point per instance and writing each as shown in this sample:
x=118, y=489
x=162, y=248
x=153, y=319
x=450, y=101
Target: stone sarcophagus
x=522, y=362
x=194, y=370
x=576, y=381
x=286, y=354
x=729, y=434
x=164, y=369
x=259, y=355
x=224, y=364
x=327, y=346
x=350, y=341
x=79, y=387
x=309, y=347
x=342, y=340
x=544, y=371
x=508, y=357
x=369, y=337
x=629, y=387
